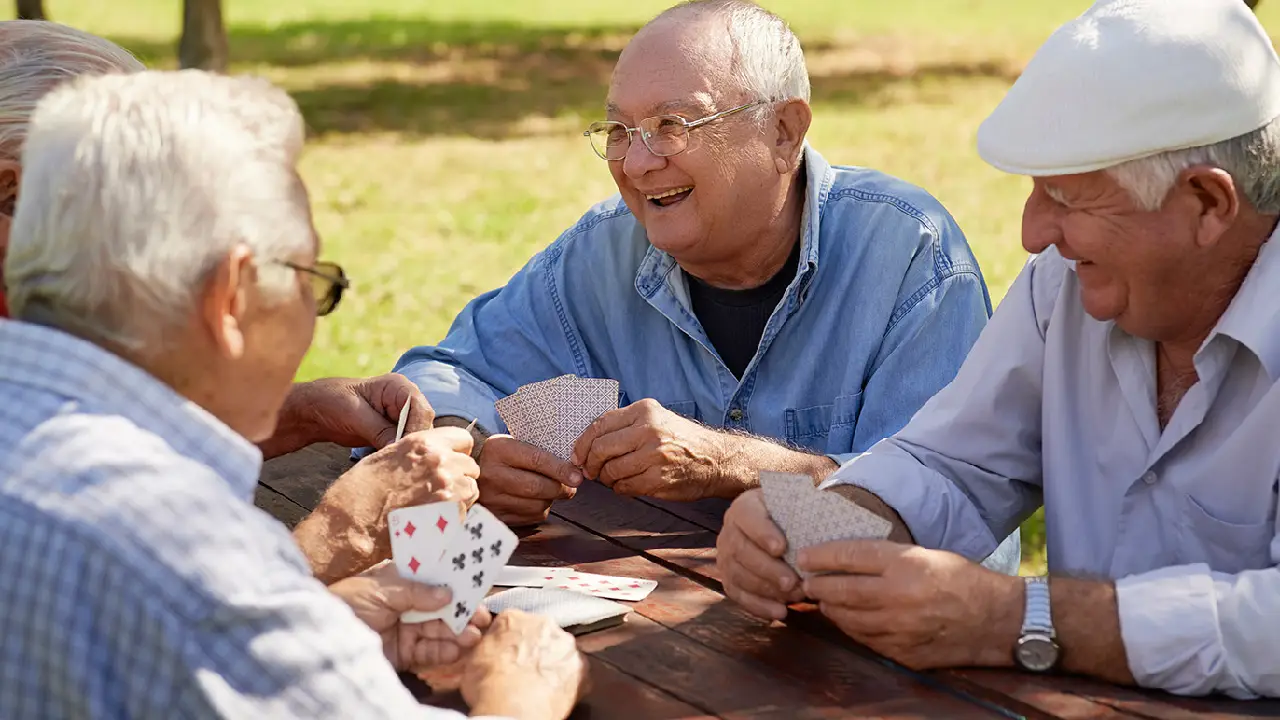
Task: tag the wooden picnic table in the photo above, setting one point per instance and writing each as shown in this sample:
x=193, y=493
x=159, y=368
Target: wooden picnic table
x=688, y=652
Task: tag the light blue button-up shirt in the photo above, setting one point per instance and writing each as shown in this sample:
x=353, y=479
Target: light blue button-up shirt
x=138, y=579
x=1056, y=404
x=885, y=304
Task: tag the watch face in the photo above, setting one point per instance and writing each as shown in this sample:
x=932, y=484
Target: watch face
x=1037, y=653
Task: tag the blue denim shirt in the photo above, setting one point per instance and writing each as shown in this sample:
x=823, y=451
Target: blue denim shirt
x=885, y=304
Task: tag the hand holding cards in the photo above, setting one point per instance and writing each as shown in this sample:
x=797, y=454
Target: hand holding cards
x=552, y=414
x=434, y=544
x=809, y=516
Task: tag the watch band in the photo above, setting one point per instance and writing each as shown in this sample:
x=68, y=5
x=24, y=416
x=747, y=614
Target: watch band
x=1038, y=617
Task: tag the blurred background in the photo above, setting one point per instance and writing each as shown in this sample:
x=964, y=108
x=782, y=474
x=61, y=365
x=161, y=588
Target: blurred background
x=445, y=137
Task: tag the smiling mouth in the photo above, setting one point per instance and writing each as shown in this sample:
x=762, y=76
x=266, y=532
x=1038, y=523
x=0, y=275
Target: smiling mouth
x=670, y=197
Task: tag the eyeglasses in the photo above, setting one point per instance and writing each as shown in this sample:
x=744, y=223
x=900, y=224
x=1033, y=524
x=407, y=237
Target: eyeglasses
x=664, y=135
x=327, y=283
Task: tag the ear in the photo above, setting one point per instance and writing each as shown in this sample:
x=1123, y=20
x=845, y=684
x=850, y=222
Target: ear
x=224, y=304
x=1213, y=192
x=792, y=125
x=10, y=177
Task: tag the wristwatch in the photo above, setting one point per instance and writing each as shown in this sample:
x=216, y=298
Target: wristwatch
x=1037, y=649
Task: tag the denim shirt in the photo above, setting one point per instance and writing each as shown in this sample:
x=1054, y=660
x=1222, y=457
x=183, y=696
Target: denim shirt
x=885, y=304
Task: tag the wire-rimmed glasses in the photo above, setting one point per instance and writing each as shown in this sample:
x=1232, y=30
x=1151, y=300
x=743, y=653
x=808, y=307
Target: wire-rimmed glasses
x=664, y=135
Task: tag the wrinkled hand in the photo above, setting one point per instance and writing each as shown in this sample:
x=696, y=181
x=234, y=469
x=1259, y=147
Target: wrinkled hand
x=348, y=412
x=922, y=608
x=645, y=449
x=379, y=595
x=525, y=667
x=518, y=482
x=748, y=555
x=425, y=467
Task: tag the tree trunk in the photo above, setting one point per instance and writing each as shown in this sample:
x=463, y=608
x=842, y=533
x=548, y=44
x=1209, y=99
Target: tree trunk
x=204, y=39
x=31, y=10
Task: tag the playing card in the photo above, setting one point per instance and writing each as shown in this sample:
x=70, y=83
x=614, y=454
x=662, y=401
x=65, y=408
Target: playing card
x=570, y=610
x=404, y=419
x=470, y=566
x=552, y=414
x=604, y=586
x=517, y=576
x=809, y=516
x=419, y=537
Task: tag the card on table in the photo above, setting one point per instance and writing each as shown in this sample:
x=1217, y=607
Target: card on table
x=552, y=414
x=469, y=565
x=604, y=586
x=809, y=516
x=532, y=576
x=573, y=611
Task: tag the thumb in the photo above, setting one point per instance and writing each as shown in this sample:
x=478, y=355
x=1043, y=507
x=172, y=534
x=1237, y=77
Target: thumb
x=403, y=596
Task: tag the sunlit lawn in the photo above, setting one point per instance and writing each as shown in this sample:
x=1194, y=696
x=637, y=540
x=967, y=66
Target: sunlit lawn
x=444, y=147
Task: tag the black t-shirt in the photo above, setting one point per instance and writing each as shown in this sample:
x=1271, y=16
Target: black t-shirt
x=734, y=320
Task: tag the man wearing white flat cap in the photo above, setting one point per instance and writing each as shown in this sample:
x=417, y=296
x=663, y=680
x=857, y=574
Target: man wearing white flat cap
x=1128, y=382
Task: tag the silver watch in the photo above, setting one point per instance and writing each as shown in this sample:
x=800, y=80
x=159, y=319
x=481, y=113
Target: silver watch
x=1037, y=649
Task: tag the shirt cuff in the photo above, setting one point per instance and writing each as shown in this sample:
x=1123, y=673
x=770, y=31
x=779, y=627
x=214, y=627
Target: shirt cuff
x=1169, y=626
x=936, y=512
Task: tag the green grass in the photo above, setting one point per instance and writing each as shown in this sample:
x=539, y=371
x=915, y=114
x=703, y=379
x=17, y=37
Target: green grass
x=444, y=150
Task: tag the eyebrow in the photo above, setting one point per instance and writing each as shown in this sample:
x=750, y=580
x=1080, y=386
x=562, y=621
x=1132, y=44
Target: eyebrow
x=660, y=109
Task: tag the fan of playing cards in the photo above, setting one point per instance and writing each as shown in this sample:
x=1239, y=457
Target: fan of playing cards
x=552, y=414
x=434, y=544
x=809, y=516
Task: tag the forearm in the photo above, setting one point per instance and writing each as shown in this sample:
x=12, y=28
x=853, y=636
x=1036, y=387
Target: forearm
x=744, y=456
x=341, y=536
x=1086, y=617
x=293, y=431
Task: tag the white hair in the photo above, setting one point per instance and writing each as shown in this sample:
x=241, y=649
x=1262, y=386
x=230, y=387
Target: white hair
x=35, y=57
x=136, y=186
x=768, y=62
x=1252, y=160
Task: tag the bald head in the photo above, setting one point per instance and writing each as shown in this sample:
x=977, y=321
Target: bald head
x=742, y=50
x=35, y=57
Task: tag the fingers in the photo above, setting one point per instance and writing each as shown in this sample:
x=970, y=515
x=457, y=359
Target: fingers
x=616, y=468
x=454, y=438
x=523, y=484
x=852, y=592
x=611, y=447
x=750, y=516
x=516, y=512
x=746, y=567
x=756, y=605
x=505, y=450
x=610, y=422
x=856, y=557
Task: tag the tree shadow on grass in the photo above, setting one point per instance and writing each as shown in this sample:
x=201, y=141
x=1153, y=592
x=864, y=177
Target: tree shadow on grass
x=490, y=80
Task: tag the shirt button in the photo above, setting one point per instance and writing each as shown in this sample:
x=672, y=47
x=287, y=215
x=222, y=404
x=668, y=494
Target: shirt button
x=1150, y=477
x=735, y=414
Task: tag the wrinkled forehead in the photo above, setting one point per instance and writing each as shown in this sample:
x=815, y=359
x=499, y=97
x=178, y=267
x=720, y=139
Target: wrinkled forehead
x=670, y=68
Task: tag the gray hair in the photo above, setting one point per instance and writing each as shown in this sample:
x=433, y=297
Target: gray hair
x=768, y=62
x=1252, y=160
x=35, y=57
x=135, y=187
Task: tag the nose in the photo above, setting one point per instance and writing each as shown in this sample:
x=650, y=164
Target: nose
x=640, y=159
x=1041, y=223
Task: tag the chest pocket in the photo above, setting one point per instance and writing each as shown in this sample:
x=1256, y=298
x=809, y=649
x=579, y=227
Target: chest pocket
x=1228, y=547
x=824, y=428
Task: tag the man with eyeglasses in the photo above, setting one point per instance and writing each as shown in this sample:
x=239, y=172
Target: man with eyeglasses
x=162, y=272
x=347, y=534
x=761, y=308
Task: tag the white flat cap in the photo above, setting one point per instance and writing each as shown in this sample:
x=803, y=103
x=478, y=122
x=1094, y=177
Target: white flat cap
x=1133, y=78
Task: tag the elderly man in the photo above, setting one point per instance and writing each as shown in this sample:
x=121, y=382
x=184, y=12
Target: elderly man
x=347, y=533
x=163, y=267
x=760, y=308
x=1128, y=380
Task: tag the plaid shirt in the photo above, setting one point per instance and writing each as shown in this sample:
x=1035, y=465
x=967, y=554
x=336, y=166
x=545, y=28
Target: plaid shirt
x=137, y=579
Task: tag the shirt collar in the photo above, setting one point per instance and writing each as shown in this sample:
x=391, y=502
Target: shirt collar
x=1253, y=317
x=657, y=265
x=64, y=365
